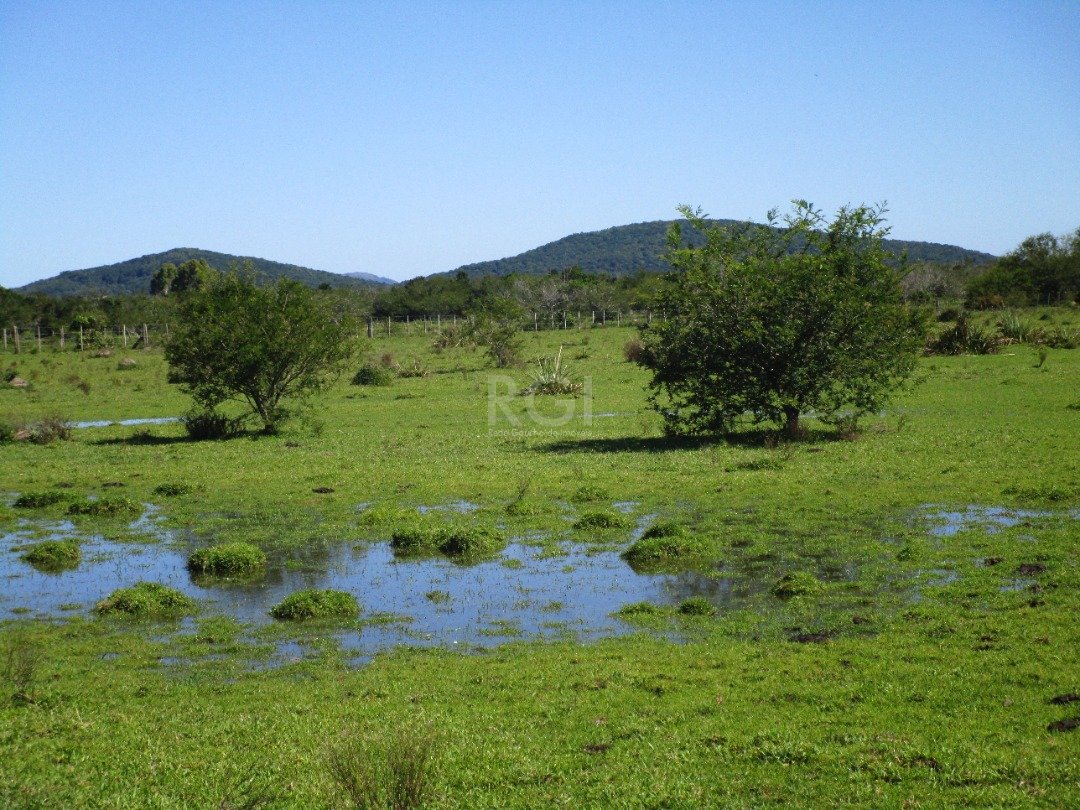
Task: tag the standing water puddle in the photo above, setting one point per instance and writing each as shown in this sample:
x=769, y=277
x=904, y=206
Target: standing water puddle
x=95, y=423
x=525, y=592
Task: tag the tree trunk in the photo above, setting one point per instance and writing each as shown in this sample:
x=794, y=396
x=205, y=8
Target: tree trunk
x=791, y=426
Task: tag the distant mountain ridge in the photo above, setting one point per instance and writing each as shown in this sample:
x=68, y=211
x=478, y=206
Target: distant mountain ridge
x=626, y=249
x=374, y=279
x=133, y=275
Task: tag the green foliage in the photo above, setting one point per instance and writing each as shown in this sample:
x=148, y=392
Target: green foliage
x=800, y=583
x=964, y=337
x=54, y=555
x=48, y=429
x=204, y=424
x=146, y=600
x=258, y=345
x=39, y=500
x=395, y=773
x=23, y=656
x=312, y=603
x=665, y=544
x=1044, y=269
x=227, y=560
x=601, y=519
x=373, y=374
x=773, y=321
x=105, y=507
x=697, y=606
x=173, y=490
x=464, y=543
x=553, y=377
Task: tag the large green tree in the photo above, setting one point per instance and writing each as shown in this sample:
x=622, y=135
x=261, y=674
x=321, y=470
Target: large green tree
x=259, y=345
x=772, y=321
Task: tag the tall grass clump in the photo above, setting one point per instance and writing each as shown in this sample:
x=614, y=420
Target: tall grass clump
x=373, y=374
x=464, y=543
x=801, y=583
x=396, y=774
x=146, y=600
x=553, y=378
x=227, y=560
x=665, y=544
x=54, y=555
x=633, y=350
x=1014, y=329
x=601, y=519
x=39, y=500
x=105, y=507
x=964, y=338
x=313, y=603
x=23, y=656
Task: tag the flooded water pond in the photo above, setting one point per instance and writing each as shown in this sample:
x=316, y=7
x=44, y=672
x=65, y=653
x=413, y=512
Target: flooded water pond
x=528, y=591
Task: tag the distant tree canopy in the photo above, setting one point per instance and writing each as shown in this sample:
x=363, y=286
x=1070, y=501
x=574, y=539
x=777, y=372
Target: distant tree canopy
x=192, y=275
x=772, y=322
x=235, y=340
x=1044, y=269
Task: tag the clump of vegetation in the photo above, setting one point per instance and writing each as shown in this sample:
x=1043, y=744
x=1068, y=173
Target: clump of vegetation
x=146, y=600
x=227, y=560
x=105, y=507
x=601, y=519
x=204, y=424
x=553, y=378
x=634, y=350
x=665, y=543
x=697, y=606
x=1062, y=337
x=22, y=661
x=1014, y=329
x=964, y=338
x=312, y=603
x=460, y=542
x=54, y=555
x=48, y=429
x=414, y=369
x=373, y=374
x=801, y=583
x=640, y=610
x=39, y=500
x=172, y=490
x=8, y=432
x=126, y=363
x=382, y=513
x=588, y=493
x=397, y=774
x=437, y=597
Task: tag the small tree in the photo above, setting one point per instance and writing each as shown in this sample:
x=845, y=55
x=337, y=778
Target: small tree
x=773, y=321
x=258, y=345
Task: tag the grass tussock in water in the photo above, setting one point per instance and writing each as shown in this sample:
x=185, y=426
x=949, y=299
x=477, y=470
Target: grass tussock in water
x=459, y=542
x=601, y=519
x=105, y=507
x=54, y=555
x=40, y=500
x=799, y=583
x=227, y=560
x=313, y=603
x=666, y=544
x=146, y=600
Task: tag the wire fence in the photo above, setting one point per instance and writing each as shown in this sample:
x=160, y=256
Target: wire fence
x=31, y=337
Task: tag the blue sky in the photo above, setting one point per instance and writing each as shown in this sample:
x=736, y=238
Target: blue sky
x=410, y=138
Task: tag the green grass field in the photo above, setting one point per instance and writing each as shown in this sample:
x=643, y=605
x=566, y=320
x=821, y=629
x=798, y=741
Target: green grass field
x=920, y=670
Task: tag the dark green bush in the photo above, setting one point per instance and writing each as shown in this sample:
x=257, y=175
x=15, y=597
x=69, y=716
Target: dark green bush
x=38, y=500
x=373, y=374
x=204, y=425
x=147, y=599
x=227, y=560
x=965, y=338
x=316, y=604
x=459, y=542
x=49, y=429
x=54, y=555
x=105, y=507
x=173, y=490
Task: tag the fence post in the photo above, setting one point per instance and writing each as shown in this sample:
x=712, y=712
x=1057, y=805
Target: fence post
x=5, y=339
x=388, y=326
x=438, y=323
x=564, y=319
x=81, y=344
x=145, y=336
x=536, y=325
x=125, y=335
x=39, y=338
x=61, y=338
x=618, y=317
x=18, y=347
x=370, y=334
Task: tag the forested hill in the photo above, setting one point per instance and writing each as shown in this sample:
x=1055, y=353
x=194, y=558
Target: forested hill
x=628, y=248
x=133, y=275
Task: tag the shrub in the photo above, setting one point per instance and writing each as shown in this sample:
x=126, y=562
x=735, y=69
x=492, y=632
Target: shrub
x=633, y=350
x=413, y=370
x=49, y=429
x=601, y=520
x=227, y=560
x=10, y=374
x=451, y=337
x=1014, y=329
x=105, y=507
x=964, y=338
x=948, y=314
x=38, y=500
x=552, y=378
x=147, y=599
x=1062, y=338
x=665, y=544
x=54, y=555
x=22, y=660
x=126, y=363
x=461, y=542
x=373, y=374
x=396, y=775
x=312, y=603
x=697, y=606
x=8, y=432
x=204, y=425
x=801, y=583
